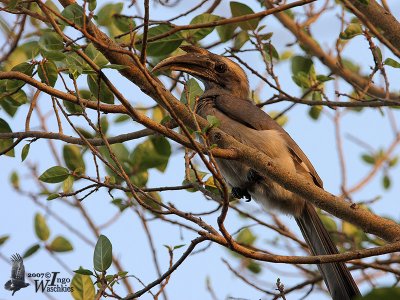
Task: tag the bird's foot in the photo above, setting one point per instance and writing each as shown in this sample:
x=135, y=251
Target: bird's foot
x=240, y=193
x=253, y=176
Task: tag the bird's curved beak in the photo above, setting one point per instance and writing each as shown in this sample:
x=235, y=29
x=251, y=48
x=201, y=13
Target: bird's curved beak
x=196, y=63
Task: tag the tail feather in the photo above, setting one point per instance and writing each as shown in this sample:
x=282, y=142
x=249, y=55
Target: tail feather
x=337, y=277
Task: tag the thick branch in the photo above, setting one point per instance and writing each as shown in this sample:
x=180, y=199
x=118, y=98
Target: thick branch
x=382, y=19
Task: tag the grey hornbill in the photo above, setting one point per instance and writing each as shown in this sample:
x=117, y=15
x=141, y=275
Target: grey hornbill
x=226, y=97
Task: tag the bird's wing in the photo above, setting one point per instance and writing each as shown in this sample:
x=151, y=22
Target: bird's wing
x=247, y=113
x=17, y=269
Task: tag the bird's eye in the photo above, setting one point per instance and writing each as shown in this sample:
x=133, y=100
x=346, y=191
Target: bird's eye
x=220, y=68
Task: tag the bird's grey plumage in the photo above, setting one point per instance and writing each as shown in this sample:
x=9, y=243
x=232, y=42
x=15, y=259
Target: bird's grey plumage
x=226, y=98
x=17, y=280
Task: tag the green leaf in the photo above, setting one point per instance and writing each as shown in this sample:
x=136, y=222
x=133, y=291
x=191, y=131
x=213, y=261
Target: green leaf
x=323, y=78
x=193, y=177
x=240, y=40
x=105, y=16
x=74, y=14
x=195, y=35
x=393, y=161
x=351, y=31
x=153, y=153
x=76, y=65
x=48, y=73
x=73, y=158
x=139, y=179
x=12, y=4
x=122, y=273
x=302, y=64
x=14, y=178
x=315, y=111
x=349, y=229
x=16, y=98
x=368, y=159
x=178, y=246
x=53, y=55
x=54, y=175
x=103, y=93
x=104, y=124
x=122, y=118
x=41, y=228
x=328, y=222
x=51, y=41
x=72, y=108
x=122, y=154
x=386, y=293
x=96, y=56
x=92, y=5
x=121, y=204
x=67, y=185
x=83, y=271
x=25, y=151
x=254, y=266
x=302, y=80
x=82, y=287
x=8, y=107
x=152, y=199
x=114, y=67
x=246, y=237
x=270, y=52
x=102, y=257
x=12, y=84
x=60, y=244
x=239, y=9
x=165, y=45
x=52, y=197
x=386, y=182
x=225, y=32
x=31, y=250
x=3, y=239
x=6, y=143
x=391, y=62
x=123, y=23
x=191, y=91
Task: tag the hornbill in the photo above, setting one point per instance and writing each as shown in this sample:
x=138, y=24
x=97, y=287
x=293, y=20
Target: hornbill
x=226, y=97
x=17, y=280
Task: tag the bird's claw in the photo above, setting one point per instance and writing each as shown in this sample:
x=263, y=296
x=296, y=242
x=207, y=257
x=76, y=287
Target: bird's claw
x=240, y=193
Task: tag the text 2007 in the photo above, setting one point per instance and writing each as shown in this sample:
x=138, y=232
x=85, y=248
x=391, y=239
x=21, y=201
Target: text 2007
x=36, y=275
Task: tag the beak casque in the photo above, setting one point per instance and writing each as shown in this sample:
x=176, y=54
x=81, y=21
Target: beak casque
x=196, y=62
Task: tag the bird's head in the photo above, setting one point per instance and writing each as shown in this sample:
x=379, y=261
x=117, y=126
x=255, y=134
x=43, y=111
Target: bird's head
x=215, y=71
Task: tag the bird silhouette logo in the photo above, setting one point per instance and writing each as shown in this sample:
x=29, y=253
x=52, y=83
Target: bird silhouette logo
x=17, y=280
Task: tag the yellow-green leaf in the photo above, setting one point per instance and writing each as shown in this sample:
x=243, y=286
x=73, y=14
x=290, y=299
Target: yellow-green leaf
x=41, y=228
x=60, y=244
x=82, y=287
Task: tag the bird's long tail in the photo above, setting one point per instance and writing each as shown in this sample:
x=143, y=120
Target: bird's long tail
x=337, y=277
